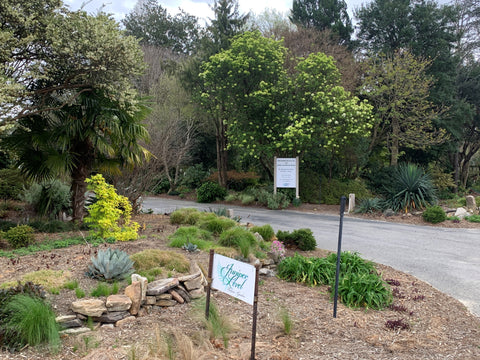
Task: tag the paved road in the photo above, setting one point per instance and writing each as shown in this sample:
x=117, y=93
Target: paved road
x=448, y=259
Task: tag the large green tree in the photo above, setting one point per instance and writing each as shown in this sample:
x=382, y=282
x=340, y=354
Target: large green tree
x=269, y=113
x=151, y=23
x=398, y=88
x=323, y=15
x=70, y=90
x=48, y=50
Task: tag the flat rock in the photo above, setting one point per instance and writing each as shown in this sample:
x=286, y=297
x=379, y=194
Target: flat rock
x=183, y=293
x=197, y=293
x=112, y=317
x=125, y=321
x=75, y=331
x=89, y=307
x=166, y=303
x=161, y=286
x=176, y=296
x=118, y=303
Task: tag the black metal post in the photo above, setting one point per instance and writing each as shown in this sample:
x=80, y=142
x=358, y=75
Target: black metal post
x=339, y=252
x=255, y=314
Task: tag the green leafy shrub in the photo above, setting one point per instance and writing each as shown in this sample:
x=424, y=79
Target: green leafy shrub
x=309, y=186
x=266, y=231
x=364, y=290
x=30, y=321
x=301, y=238
x=52, y=226
x=194, y=176
x=334, y=189
x=109, y=211
x=49, y=198
x=209, y=192
x=411, y=188
x=234, y=236
x=185, y=216
x=246, y=199
x=6, y=225
x=19, y=236
x=217, y=225
x=191, y=234
x=434, y=215
x=237, y=181
x=110, y=265
x=11, y=184
x=359, y=285
x=473, y=218
x=264, y=196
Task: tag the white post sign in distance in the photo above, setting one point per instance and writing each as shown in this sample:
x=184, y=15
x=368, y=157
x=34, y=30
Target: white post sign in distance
x=234, y=277
x=286, y=174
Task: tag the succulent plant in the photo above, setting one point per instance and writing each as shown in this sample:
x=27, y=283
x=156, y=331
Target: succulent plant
x=190, y=247
x=110, y=265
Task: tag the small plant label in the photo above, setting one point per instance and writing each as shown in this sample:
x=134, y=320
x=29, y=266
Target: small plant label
x=234, y=278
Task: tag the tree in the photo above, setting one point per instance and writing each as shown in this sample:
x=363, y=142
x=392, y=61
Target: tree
x=152, y=24
x=270, y=114
x=49, y=50
x=323, y=15
x=398, y=88
x=270, y=23
x=91, y=133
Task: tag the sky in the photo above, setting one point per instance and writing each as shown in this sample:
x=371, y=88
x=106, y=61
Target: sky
x=198, y=8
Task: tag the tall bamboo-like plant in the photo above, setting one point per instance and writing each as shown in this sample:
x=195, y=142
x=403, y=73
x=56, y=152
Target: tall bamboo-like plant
x=411, y=188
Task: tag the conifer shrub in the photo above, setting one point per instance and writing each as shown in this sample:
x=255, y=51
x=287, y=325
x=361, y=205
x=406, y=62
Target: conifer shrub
x=19, y=236
x=434, y=215
x=209, y=192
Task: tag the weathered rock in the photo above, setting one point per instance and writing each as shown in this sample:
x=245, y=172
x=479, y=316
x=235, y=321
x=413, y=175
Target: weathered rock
x=134, y=292
x=176, y=296
x=108, y=326
x=195, y=283
x=461, y=213
x=123, y=322
x=75, y=331
x=259, y=237
x=183, y=293
x=471, y=204
x=150, y=300
x=163, y=297
x=388, y=212
x=89, y=307
x=197, y=293
x=65, y=318
x=111, y=317
x=166, y=303
x=266, y=272
x=268, y=261
x=186, y=278
x=118, y=303
x=161, y=286
x=70, y=324
x=143, y=284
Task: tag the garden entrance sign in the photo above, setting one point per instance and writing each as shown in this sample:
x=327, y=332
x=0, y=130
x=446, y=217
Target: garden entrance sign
x=286, y=174
x=236, y=279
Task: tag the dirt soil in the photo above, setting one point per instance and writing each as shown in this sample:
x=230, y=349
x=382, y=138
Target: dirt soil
x=438, y=326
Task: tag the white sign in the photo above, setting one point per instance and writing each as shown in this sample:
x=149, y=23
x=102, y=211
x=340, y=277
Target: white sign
x=234, y=277
x=286, y=171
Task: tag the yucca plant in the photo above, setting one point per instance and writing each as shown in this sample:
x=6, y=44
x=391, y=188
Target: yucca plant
x=110, y=265
x=411, y=188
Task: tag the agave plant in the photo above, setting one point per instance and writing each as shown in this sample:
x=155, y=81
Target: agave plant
x=110, y=265
x=411, y=188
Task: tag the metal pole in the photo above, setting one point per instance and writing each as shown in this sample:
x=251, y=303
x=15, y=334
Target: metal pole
x=255, y=304
x=209, y=283
x=339, y=252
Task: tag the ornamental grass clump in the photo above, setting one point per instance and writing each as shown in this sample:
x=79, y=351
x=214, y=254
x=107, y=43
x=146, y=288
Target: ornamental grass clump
x=110, y=214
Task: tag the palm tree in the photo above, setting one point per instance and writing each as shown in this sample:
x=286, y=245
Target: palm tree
x=94, y=132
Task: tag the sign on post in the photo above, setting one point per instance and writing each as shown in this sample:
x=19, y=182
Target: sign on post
x=234, y=278
x=286, y=174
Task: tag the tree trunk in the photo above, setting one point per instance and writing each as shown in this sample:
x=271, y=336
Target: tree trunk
x=222, y=156
x=394, y=145
x=78, y=188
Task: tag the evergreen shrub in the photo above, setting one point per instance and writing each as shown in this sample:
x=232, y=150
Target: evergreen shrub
x=209, y=192
x=434, y=215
